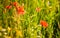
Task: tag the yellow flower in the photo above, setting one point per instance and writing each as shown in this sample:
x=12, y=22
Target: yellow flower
x=19, y=33
x=3, y=29
x=10, y=37
x=9, y=29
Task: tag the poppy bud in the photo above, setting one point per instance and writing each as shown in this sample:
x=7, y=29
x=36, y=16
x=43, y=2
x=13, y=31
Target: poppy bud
x=15, y=3
x=8, y=7
x=37, y=9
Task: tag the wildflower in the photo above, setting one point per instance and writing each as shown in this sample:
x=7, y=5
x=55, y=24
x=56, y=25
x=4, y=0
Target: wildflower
x=9, y=28
x=15, y=3
x=19, y=33
x=5, y=33
x=8, y=7
x=44, y=23
x=37, y=9
x=20, y=10
x=3, y=29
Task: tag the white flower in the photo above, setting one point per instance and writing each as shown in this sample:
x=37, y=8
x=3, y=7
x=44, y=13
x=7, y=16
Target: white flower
x=5, y=33
x=3, y=30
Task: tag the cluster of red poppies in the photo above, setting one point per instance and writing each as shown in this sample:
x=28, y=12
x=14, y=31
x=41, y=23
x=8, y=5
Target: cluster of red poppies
x=20, y=9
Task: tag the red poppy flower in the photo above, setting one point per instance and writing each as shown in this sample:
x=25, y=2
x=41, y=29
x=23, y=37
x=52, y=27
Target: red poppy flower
x=8, y=7
x=14, y=3
x=44, y=23
x=37, y=9
x=20, y=10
